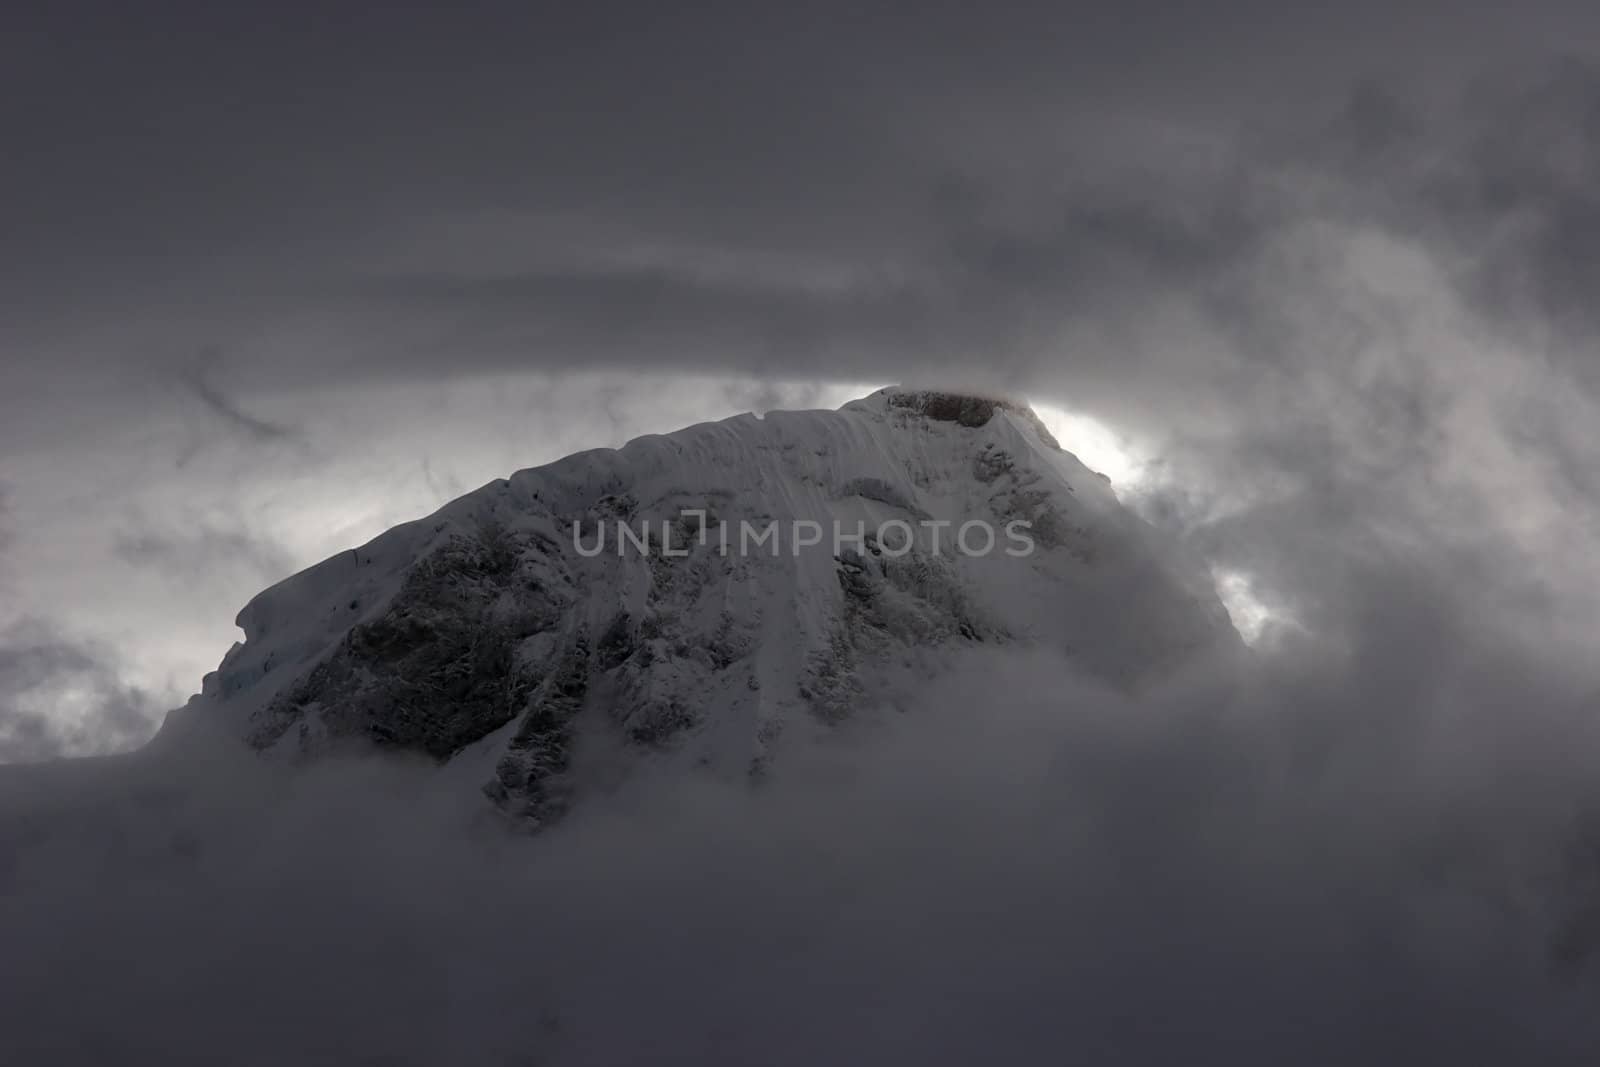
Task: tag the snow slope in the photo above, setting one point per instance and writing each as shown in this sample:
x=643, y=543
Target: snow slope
x=488, y=636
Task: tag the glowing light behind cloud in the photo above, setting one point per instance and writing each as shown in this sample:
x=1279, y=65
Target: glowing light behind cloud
x=1100, y=447
x=1134, y=470
x=1250, y=613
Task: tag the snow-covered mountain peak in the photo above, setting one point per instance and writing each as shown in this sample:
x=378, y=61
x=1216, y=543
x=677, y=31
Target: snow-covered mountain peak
x=707, y=595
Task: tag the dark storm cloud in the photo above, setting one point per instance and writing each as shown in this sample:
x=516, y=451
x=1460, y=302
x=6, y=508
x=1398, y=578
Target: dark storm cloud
x=1006, y=172
x=1053, y=277
x=976, y=285
x=1527, y=207
x=1495, y=179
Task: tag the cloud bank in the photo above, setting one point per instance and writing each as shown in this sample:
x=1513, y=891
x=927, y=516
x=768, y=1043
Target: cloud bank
x=1379, y=862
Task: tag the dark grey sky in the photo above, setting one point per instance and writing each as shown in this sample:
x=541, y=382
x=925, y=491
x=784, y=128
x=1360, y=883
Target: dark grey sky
x=811, y=188
x=276, y=276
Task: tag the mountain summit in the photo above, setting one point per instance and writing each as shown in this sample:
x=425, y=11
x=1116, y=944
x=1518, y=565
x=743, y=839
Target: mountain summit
x=707, y=594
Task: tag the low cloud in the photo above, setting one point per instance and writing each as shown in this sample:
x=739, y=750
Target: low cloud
x=1307, y=862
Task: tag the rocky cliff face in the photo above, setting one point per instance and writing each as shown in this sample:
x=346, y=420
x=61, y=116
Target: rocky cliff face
x=707, y=593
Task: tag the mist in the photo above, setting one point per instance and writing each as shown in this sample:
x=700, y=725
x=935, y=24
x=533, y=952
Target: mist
x=1282, y=859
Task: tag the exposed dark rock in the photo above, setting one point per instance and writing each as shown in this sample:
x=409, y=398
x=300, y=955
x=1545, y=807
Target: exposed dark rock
x=966, y=409
x=970, y=411
x=438, y=669
x=619, y=641
x=527, y=776
x=991, y=464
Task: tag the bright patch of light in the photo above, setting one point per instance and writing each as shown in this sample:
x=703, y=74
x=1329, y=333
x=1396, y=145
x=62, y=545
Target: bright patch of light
x=1099, y=446
x=1250, y=615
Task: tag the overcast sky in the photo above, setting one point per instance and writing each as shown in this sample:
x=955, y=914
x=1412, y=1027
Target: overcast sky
x=276, y=277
